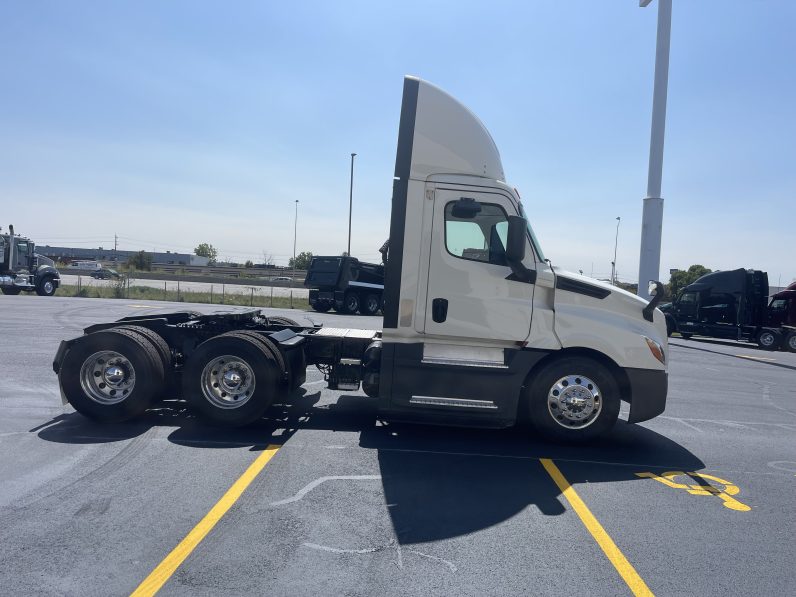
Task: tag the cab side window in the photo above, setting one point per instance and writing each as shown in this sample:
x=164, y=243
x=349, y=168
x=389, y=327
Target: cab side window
x=480, y=238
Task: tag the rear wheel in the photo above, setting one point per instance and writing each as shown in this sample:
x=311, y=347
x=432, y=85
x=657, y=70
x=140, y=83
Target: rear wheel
x=573, y=399
x=371, y=304
x=790, y=342
x=231, y=379
x=11, y=291
x=351, y=302
x=111, y=375
x=769, y=339
x=46, y=286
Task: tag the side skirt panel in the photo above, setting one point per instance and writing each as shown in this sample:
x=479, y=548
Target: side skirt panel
x=450, y=394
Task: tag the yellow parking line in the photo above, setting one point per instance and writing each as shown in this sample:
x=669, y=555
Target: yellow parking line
x=171, y=562
x=617, y=558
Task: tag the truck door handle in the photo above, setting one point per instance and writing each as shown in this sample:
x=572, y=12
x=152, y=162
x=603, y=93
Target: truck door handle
x=439, y=309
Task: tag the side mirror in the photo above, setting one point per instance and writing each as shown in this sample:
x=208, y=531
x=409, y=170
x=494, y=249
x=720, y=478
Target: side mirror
x=657, y=290
x=466, y=208
x=515, y=241
x=515, y=250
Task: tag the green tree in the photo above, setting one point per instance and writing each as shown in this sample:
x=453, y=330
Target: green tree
x=141, y=261
x=302, y=260
x=682, y=278
x=207, y=250
x=249, y=263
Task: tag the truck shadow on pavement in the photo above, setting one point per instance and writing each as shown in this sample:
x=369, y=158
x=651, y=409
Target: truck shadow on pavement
x=438, y=482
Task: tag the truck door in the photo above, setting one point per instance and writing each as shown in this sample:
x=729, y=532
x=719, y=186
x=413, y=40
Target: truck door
x=471, y=290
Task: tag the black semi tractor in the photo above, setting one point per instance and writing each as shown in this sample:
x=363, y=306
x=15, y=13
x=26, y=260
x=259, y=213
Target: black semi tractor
x=735, y=305
x=346, y=285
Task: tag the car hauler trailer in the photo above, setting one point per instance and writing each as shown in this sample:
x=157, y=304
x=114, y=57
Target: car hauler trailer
x=479, y=328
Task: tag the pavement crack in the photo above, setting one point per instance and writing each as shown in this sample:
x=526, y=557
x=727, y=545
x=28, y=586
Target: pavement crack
x=320, y=481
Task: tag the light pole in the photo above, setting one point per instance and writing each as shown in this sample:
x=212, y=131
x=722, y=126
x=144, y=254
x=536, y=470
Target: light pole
x=652, y=218
x=295, y=229
x=616, y=242
x=350, y=202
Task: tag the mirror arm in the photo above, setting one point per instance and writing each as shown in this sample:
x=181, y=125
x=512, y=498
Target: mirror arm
x=522, y=273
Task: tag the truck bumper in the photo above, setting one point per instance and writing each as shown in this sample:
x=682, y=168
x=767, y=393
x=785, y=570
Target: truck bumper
x=648, y=388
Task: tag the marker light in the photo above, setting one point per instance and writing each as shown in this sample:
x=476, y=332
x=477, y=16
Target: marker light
x=656, y=350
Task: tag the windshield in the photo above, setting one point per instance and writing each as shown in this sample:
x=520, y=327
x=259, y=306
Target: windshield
x=534, y=240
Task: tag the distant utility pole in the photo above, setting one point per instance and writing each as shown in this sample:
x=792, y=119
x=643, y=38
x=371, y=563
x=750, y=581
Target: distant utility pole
x=350, y=202
x=616, y=242
x=652, y=218
x=295, y=230
x=115, y=246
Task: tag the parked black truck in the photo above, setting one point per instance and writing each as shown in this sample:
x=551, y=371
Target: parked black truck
x=735, y=305
x=345, y=284
x=22, y=269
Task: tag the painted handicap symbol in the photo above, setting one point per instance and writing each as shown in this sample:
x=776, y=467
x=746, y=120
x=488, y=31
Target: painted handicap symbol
x=704, y=484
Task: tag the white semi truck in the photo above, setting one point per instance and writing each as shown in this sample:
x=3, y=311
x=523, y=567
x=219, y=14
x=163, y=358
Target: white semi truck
x=479, y=328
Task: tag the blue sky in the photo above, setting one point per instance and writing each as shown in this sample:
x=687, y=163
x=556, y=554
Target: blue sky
x=180, y=122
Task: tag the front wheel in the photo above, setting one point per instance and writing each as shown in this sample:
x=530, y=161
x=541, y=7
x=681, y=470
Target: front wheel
x=671, y=326
x=45, y=287
x=573, y=399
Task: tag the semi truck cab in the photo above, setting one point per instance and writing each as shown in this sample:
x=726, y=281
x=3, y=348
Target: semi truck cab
x=479, y=328
x=475, y=314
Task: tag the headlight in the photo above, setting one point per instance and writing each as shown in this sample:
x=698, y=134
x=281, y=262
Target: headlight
x=656, y=350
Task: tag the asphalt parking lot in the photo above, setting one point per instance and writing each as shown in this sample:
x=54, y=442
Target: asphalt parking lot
x=697, y=501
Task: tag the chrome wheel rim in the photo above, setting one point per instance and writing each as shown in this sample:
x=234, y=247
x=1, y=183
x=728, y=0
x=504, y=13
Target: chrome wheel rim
x=107, y=377
x=792, y=342
x=574, y=401
x=48, y=287
x=766, y=339
x=228, y=382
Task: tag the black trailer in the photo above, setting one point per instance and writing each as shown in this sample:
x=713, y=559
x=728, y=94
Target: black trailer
x=345, y=284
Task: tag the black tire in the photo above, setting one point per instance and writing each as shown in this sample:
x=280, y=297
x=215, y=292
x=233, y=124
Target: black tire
x=261, y=365
x=164, y=352
x=769, y=339
x=542, y=403
x=322, y=306
x=671, y=326
x=351, y=302
x=283, y=321
x=11, y=291
x=46, y=286
x=371, y=304
x=685, y=336
x=141, y=355
x=269, y=346
x=789, y=343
